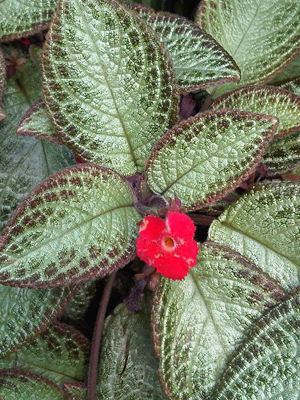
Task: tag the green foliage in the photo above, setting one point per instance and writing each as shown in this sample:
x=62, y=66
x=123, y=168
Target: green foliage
x=264, y=226
x=2, y=80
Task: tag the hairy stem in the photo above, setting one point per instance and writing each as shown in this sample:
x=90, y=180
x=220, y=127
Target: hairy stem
x=97, y=336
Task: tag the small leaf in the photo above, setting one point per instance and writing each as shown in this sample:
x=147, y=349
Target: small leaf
x=60, y=354
x=128, y=368
x=267, y=364
x=283, y=154
x=191, y=160
x=199, y=61
x=37, y=123
x=293, y=86
x=200, y=321
x=20, y=385
x=261, y=36
x=264, y=226
x=113, y=97
x=265, y=100
x=25, y=312
x=77, y=225
x=81, y=301
x=19, y=18
x=2, y=81
x=24, y=162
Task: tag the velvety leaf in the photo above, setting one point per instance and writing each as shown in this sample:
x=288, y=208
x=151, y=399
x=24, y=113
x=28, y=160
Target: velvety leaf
x=2, y=81
x=260, y=36
x=267, y=364
x=199, y=61
x=113, y=97
x=283, y=154
x=81, y=301
x=78, y=392
x=77, y=225
x=60, y=354
x=19, y=18
x=36, y=122
x=128, y=368
x=291, y=71
x=24, y=162
x=265, y=100
x=264, y=226
x=191, y=160
x=200, y=321
x=23, y=386
x=293, y=86
x=25, y=312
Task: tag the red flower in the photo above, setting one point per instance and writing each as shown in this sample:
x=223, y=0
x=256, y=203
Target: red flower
x=168, y=245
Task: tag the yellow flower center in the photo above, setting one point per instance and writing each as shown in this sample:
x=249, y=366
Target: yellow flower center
x=168, y=243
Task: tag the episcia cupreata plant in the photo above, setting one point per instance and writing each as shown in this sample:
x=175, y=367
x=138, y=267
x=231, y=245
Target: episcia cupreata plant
x=123, y=129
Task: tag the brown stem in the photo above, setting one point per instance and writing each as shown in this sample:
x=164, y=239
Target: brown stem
x=97, y=336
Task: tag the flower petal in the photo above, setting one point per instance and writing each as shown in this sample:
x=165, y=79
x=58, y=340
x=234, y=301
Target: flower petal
x=171, y=267
x=188, y=251
x=147, y=250
x=151, y=227
x=180, y=225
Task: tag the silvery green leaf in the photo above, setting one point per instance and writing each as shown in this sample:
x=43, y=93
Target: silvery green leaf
x=2, y=81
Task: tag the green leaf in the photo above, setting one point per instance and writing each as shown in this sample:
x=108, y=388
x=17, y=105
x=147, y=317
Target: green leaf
x=24, y=162
x=199, y=61
x=60, y=354
x=265, y=100
x=261, y=36
x=291, y=71
x=23, y=386
x=81, y=301
x=264, y=226
x=113, y=97
x=78, y=392
x=26, y=312
x=77, y=225
x=267, y=364
x=293, y=85
x=19, y=18
x=2, y=81
x=191, y=160
x=200, y=321
x=37, y=123
x=128, y=368
x=283, y=154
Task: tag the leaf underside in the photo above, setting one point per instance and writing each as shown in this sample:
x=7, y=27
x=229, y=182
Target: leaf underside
x=267, y=100
x=267, y=364
x=25, y=312
x=37, y=123
x=23, y=386
x=199, y=61
x=191, y=160
x=128, y=368
x=200, y=321
x=260, y=36
x=19, y=18
x=77, y=225
x=113, y=97
x=24, y=162
x=264, y=226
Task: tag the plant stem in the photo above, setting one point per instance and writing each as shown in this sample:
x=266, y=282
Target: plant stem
x=97, y=336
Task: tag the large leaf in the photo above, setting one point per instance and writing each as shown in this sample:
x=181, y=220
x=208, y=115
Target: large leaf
x=267, y=365
x=265, y=100
x=200, y=321
x=2, y=80
x=24, y=386
x=25, y=312
x=261, y=36
x=113, y=97
x=199, y=61
x=264, y=226
x=22, y=18
x=37, y=123
x=78, y=392
x=60, y=354
x=291, y=71
x=283, y=154
x=24, y=162
x=128, y=368
x=81, y=301
x=78, y=224
x=293, y=85
x=205, y=157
